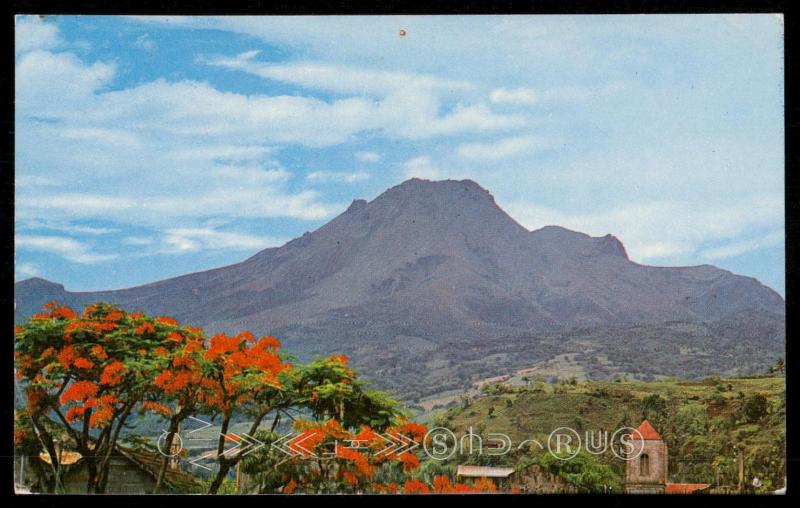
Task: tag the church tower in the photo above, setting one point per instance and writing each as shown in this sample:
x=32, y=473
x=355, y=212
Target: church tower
x=647, y=472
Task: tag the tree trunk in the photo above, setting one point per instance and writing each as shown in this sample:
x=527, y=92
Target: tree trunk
x=224, y=466
x=225, y=463
x=173, y=429
x=106, y=463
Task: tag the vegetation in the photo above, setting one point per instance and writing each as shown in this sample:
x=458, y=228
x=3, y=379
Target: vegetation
x=91, y=372
x=86, y=376
x=705, y=424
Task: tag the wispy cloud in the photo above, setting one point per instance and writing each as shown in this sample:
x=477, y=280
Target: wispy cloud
x=737, y=248
x=367, y=156
x=503, y=148
x=145, y=42
x=666, y=230
x=25, y=270
x=65, y=247
x=337, y=78
x=185, y=240
x=421, y=167
x=30, y=33
x=337, y=176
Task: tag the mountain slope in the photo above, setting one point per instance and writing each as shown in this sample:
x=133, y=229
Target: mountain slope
x=433, y=261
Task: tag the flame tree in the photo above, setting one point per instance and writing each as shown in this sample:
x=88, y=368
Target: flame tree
x=91, y=371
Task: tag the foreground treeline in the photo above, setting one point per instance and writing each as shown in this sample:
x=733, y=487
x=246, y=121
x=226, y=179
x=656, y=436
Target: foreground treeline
x=84, y=376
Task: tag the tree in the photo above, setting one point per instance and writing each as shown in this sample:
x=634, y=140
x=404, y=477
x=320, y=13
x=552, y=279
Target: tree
x=754, y=407
x=91, y=371
x=335, y=459
x=582, y=470
x=245, y=377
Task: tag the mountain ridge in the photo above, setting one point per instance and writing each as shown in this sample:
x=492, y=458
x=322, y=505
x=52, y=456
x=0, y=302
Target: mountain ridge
x=435, y=261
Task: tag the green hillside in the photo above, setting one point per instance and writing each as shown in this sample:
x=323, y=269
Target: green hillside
x=704, y=423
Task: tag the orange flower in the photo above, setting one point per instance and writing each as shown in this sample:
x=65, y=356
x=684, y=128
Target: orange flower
x=114, y=315
x=79, y=390
x=145, y=328
x=349, y=478
x=340, y=358
x=112, y=373
x=83, y=363
x=64, y=313
x=359, y=460
x=415, y=487
x=166, y=320
x=485, y=485
x=157, y=407
x=175, y=337
x=290, y=487
x=441, y=483
x=98, y=352
x=17, y=329
x=67, y=356
x=390, y=487
x=412, y=429
x=102, y=416
x=74, y=413
x=410, y=461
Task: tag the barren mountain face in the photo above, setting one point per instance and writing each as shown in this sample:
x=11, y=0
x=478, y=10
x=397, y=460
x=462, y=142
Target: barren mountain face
x=427, y=264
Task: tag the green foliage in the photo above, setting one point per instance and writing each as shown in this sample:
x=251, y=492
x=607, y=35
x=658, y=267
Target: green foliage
x=754, y=407
x=581, y=470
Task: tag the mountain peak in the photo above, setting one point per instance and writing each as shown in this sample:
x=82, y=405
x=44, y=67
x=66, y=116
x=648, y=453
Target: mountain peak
x=439, y=191
x=38, y=283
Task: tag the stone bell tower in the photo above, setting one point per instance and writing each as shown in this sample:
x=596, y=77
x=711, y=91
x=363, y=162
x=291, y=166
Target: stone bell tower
x=646, y=473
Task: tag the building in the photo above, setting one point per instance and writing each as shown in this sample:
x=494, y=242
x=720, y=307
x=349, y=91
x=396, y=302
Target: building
x=647, y=473
x=530, y=480
x=131, y=471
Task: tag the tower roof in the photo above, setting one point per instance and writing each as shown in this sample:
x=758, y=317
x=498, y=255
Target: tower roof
x=647, y=432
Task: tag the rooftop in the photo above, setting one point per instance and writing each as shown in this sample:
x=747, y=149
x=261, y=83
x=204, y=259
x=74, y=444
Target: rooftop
x=484, y=471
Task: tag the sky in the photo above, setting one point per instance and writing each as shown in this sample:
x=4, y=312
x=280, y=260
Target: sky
x=150, y=147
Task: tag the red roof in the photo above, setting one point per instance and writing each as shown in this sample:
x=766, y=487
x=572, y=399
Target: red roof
x=647, y=432
x=684, y=488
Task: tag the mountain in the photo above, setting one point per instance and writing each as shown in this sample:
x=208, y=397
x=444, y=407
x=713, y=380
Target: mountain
x=427, y=264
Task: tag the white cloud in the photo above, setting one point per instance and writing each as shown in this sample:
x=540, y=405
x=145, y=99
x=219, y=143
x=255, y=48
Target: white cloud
x=138, y=240
x=107, y=137
x=501, y=149
x=49, y=84
x=338, y=78
x=421, y=167
x=667, y=229
x=185, y=240
x=220, y=152
x=524, y=96
x=25, y=270
x=33, y=181
x=31, y=32
x=367, y=156
x=337, y=176
x=737, y=248
x=63, y=227
x=397, y=103
x=67, y=248
x=145, y=42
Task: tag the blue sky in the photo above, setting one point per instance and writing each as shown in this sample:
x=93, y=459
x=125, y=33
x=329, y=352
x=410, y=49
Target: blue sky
x=149, y=147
